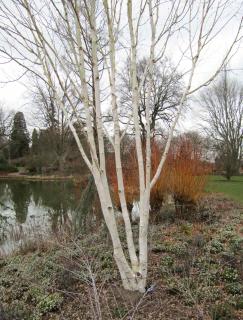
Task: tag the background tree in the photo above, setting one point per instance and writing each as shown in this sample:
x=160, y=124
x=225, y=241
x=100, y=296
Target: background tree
x=205, y=143
x=34, y=142
x=5, y=125
x=224, y=104
x=167, y=87
x=19, y=137
x=55, y=134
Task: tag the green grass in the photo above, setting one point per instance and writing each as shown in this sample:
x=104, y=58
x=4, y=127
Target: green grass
x=232, y=188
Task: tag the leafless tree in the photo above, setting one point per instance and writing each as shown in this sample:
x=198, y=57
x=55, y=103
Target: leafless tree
x=5, y=125
x=48, y=39
x=166, y=94
x=54, y=125
x=224, y=104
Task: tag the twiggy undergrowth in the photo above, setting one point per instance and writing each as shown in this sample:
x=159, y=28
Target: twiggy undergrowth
x=195, y=272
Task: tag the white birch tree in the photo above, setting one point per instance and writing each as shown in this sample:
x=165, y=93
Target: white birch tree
x=69, y=38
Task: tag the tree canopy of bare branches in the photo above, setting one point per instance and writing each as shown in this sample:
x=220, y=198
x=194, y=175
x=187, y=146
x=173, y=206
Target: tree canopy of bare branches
x=166, y=94
x=223, y=102
x=5, y=125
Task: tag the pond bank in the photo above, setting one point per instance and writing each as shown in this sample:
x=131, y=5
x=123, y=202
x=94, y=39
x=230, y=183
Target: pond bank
x=15, y=176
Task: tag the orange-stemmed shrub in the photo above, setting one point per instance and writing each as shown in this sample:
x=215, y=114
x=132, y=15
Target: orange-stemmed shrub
x=184, y=174
x=188, y=172
x=130, y=177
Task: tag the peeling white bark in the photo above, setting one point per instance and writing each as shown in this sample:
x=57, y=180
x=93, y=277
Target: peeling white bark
x=79, y=21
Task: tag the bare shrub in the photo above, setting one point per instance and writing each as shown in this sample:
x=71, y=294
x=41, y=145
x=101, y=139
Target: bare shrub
x=184, y=175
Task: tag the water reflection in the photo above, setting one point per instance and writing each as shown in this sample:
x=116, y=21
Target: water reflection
x=20, y=196
x=88, y=212
x=43, y=206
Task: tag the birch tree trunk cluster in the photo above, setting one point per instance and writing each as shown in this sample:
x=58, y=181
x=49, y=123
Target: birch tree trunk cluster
x=71, y=44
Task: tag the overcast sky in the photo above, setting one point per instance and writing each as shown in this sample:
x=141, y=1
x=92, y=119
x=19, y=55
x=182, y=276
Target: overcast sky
x=15, y=95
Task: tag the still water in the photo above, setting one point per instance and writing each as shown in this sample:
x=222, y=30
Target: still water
x=28, y=208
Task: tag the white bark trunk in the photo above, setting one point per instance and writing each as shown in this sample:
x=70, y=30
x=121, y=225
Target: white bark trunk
x=40, y=45
x=117, y=146
x=128, y=276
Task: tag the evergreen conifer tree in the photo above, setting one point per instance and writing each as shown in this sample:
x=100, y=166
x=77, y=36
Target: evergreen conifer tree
x=19, y=138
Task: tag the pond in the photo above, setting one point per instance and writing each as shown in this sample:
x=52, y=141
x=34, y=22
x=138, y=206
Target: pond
x=30, y=208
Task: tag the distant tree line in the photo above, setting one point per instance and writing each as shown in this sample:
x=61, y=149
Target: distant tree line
x=53, y=148
x=45, y=150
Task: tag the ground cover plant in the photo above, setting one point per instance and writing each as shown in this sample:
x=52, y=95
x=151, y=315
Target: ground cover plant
x=195, y=272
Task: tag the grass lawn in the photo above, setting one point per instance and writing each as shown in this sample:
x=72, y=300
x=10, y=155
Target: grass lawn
x=232, y=188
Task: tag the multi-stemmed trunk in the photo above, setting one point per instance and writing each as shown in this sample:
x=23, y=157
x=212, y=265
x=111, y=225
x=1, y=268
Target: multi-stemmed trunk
x=67, y=42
